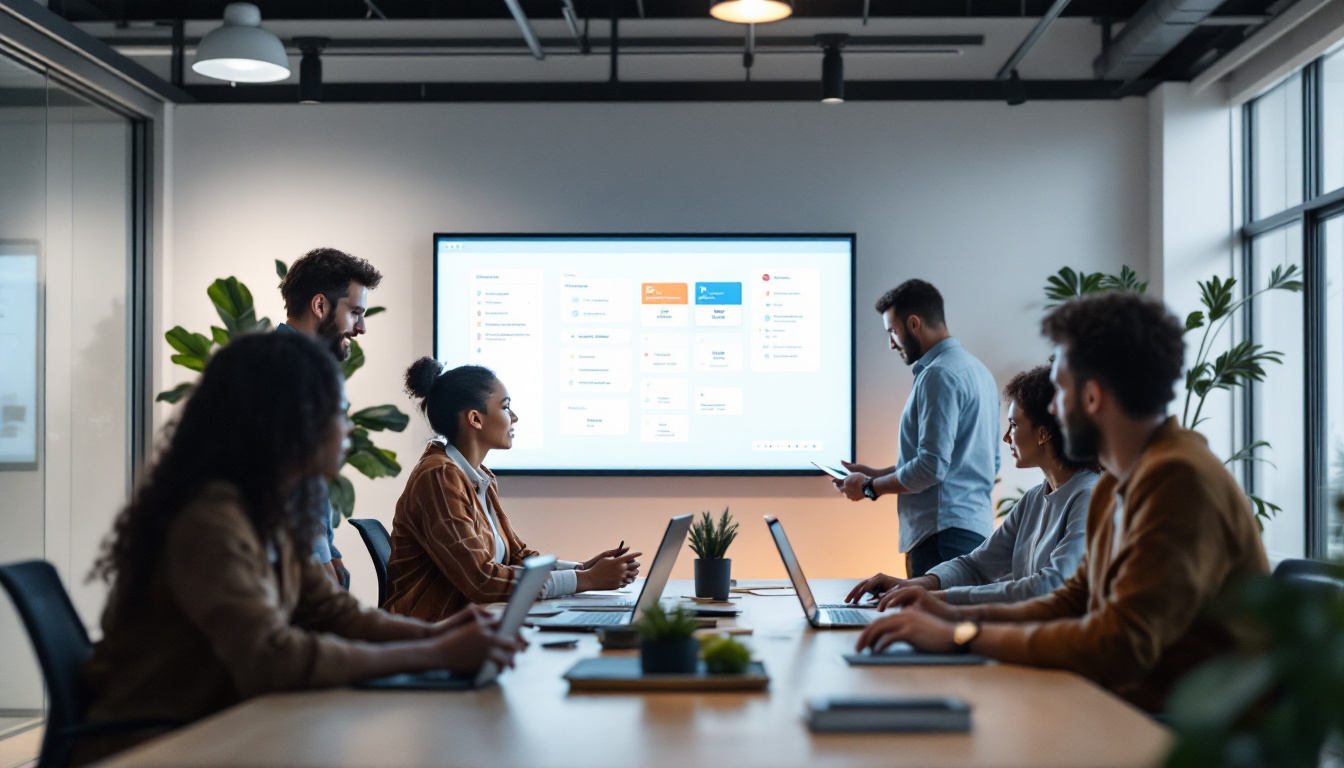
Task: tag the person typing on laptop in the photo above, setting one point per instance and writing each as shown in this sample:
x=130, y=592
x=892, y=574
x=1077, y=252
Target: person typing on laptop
x=1169, y=531
x=452, y=544
x=1041, y=541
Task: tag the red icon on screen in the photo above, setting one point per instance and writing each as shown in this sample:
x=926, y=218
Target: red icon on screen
x=766, y=278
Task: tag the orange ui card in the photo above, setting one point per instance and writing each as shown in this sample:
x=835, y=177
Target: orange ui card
x=664, y=293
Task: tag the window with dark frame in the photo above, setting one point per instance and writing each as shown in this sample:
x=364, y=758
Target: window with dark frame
x=1293, y=212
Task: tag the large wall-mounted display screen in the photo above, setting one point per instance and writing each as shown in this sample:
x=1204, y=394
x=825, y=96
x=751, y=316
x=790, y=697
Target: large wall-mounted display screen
x=657, y=354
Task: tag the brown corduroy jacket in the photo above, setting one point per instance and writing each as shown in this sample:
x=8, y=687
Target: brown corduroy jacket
x=443, y=549
x=1133, y=617
x=226, y=618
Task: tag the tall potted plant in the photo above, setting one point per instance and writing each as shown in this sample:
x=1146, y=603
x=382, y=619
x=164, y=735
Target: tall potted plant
x=233, y=303
x=710, y=542
x=1237, y=367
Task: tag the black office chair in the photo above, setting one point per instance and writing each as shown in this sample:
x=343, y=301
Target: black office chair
x=380, y=549
x=1313, y=574
x=62, y=646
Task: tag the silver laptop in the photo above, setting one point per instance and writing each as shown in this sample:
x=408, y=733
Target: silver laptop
x=837, y=616
x=652, y=592
x=526, y=590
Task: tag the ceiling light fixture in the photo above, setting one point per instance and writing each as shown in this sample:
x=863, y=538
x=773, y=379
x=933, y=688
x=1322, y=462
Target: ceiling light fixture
x=1016, y=91
x=241, y=51
x=751, y=11
x=310, y=69
x=832, y=69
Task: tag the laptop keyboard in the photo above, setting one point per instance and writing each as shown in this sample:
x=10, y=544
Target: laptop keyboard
x=846, y=607
x=591, y=618
x=849, y=616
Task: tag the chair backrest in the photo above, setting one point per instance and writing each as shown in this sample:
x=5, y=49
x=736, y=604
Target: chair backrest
x=62, y=646
x=380, y=549
x=1315, y=574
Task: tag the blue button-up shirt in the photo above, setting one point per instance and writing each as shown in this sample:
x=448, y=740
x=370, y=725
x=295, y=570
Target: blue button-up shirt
x=324, y=549
x=949, y=445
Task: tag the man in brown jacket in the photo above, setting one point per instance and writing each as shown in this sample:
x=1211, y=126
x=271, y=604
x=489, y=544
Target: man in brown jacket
x=1169, y=531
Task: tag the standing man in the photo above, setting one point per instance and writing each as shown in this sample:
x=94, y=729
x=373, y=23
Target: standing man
x=1169, y=531
x=949, y=451
x=326, y=293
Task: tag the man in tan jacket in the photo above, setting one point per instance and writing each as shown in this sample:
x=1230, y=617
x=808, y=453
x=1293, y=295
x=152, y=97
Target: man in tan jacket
x=1169, y=531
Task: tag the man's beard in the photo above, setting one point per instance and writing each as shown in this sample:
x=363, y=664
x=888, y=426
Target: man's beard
x=1082, y=438
x=911, y=350
x=336, y=341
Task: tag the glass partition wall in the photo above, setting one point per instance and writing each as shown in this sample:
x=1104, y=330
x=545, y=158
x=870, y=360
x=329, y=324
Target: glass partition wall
x=67, y=227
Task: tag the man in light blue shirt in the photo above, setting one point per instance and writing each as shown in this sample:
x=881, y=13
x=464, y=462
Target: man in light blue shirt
x=949, y=452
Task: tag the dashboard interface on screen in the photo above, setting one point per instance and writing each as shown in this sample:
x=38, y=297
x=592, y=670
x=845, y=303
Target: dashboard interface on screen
x=657, y=354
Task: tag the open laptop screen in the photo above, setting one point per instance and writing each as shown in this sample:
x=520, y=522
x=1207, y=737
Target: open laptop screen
x=791, y=565
x=662, y=564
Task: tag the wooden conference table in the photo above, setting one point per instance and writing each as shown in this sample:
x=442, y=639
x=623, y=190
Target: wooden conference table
x=1021, y=716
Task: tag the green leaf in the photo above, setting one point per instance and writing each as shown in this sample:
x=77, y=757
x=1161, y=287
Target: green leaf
x=1127, y=280
x=381, y=417
x=1007, y=503
x=371, y=311
x=356, y=360
x=1194, y=320
x=1264, y=510
x=175, y=394
x=191, y=362
x=342, y=493
x=1218, y=694
x=280, y=269
x=188, y=343
x=1067, y=284
x=1284, y=279
x=1248, y=454
x=231, y=299
x=1216, y=296
x=220, y=335
x=375, y=462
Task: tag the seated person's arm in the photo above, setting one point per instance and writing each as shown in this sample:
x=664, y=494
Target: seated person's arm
x=214, y=574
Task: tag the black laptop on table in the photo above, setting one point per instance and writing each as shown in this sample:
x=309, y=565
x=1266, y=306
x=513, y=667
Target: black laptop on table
x=649, y=596
x=831, y=616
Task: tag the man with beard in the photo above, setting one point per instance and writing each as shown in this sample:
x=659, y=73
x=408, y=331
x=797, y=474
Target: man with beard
x=1169, y=532
x=326, y=293
x=949, y=438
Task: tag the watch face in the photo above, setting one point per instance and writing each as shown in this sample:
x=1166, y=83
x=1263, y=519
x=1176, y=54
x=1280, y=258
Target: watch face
x=965, y=632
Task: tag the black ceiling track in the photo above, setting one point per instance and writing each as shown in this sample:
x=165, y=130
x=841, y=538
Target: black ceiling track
x=855, y=90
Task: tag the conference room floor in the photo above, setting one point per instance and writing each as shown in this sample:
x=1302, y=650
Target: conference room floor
x=1021, y=716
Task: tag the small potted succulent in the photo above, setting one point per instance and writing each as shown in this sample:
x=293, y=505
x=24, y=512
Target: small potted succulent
x=723, y=655
x=667, y=641
x=710, y=543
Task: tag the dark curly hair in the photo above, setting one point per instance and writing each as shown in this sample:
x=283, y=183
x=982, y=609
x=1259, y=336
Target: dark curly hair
x=1127, y=342
x=444, y=395
x=258, y=415
x=1032, y=391
x=914, y=297
x=326, y=271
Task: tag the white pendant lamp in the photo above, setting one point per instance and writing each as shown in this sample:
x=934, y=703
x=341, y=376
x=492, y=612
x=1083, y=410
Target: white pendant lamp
x=751, y=11
x=241, y=51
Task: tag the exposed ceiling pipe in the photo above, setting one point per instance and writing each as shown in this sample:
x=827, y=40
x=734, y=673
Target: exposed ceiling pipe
x=572, y=21
x=1153, y=32
x=524, y=26
x=1052, y=13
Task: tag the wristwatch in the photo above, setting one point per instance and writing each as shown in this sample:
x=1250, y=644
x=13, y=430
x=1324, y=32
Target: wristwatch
x=963, y=634
x=868, y=489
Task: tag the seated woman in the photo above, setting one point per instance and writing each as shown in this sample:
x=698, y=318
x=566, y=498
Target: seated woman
x=1039, y=544
x=214, y=594
x=451, y=542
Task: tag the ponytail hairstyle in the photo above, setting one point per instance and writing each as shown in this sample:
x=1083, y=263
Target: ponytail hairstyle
x=445, y=395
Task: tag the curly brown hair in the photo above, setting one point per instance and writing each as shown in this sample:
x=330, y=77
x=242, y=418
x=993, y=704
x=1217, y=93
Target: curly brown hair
x=1032, y=391
x=326, y=271
x=258, y=416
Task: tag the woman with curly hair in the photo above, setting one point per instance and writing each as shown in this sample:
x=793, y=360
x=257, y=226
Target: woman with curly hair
x=214, y=596
x=1039, y=544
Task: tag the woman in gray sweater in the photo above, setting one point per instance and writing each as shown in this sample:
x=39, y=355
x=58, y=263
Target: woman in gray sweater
x=1039, y=544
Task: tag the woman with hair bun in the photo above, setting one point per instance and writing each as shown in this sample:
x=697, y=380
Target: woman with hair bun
x=452, y=544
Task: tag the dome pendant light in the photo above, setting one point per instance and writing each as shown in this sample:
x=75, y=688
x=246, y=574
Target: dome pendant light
x=241, y=51
x=751, y=11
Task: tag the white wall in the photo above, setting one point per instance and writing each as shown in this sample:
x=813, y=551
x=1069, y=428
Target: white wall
x=982, y=199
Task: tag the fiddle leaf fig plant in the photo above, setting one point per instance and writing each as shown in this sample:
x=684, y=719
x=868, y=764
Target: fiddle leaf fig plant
x=1236, y=367
x=237, y=313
